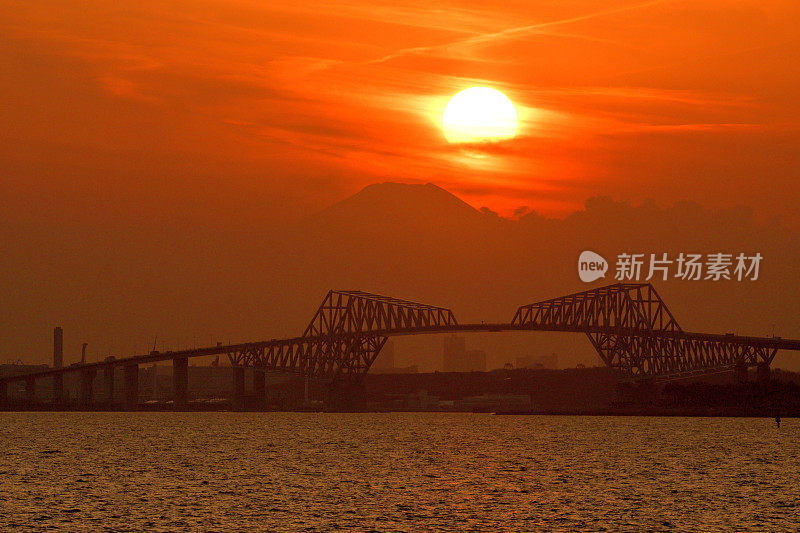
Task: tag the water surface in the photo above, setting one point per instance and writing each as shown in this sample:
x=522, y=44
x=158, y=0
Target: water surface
x=395, y=472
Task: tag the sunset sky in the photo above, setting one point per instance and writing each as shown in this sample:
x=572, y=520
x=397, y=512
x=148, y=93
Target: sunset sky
x=162, y=163
x=207, y=106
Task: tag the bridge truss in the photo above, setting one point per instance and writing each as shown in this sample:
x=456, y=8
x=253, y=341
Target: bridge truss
x=629, y=325
x=345, y=335
x=634, y=332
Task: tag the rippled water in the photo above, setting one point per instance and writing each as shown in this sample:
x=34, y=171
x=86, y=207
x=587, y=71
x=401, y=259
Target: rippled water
x=395, y=472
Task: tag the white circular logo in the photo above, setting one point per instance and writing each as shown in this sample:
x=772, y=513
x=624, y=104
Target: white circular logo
x=591, y=266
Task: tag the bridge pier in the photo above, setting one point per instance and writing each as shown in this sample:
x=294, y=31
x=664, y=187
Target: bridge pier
x=131, y=374
x=3, y=393
x=259, y=389
x=238, y=386
x=30, y=391
x=108, y=385
x=87, y=380
x=741, y=373
x=762, y=372
x=180, y=382
x=58, y=388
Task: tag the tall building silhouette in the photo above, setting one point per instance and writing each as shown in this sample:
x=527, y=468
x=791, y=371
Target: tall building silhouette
x=455, y=349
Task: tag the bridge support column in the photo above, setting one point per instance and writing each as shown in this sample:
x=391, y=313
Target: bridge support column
x=259, y=390
x=108, y=385
x=3, y=393
x=238, y=386
x=58, y=388
x=30, y=391
x=131, y=374
x=740, y=373
x=762, y=372
x=180, y=382
x=87, y=380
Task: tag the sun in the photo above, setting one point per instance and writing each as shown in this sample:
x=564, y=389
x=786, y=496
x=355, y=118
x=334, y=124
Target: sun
x=479, y=114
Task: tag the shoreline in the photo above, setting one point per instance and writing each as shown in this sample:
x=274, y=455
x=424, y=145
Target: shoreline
x=613, y=412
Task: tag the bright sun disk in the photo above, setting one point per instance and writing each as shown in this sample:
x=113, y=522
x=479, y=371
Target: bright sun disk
x=479, y=114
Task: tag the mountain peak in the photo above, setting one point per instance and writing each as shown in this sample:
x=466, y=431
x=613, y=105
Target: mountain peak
x=400, y=192
x=426, y=203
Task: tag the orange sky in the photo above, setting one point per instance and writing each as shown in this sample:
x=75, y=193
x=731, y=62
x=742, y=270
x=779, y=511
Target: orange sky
x=207, y=106
x=158, y=160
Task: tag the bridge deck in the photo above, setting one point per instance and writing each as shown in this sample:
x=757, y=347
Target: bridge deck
x=774, y=343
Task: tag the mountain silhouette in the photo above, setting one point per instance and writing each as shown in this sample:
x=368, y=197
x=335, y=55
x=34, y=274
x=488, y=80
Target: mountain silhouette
x=402, y=204
x=405, y=236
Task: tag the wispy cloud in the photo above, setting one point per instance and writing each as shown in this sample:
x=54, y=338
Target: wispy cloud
x=516, y=33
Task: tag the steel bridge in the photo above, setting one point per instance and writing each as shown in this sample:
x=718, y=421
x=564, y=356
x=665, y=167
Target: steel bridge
x=629, y=325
